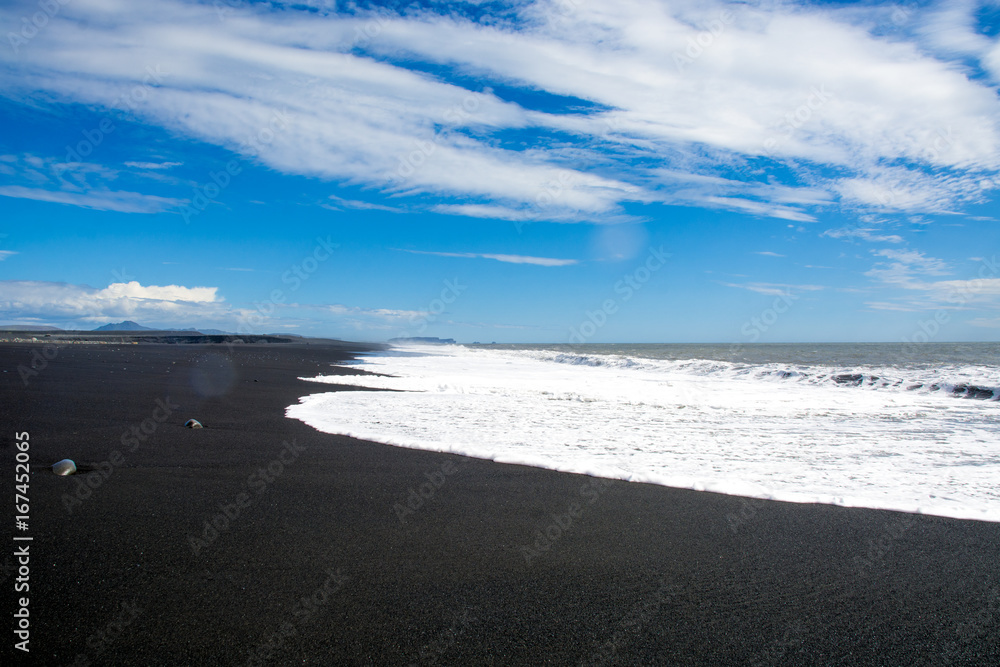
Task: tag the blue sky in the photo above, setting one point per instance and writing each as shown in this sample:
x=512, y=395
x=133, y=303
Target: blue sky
x=552, y=171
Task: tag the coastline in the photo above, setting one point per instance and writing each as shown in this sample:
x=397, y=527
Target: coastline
x=332, y=550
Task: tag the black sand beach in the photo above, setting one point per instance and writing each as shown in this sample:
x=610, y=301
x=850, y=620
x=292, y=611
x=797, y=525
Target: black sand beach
x=323, y=551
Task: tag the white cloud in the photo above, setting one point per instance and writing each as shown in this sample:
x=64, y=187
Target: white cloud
x=894, y=307
x=153, y=165
x=775, y=289
x=806, y=95
x=87, y=185
x=530, y=213
x=166, y=305
x=925, y=264
x=509, y=259
x=133, y=290
x=339, y=203
x=963, y=290
x=538, y=261
x=107, y=200
x=904, y=267
x=866, y=234
x=768, y=253
x=4, y=254
x=908, y=269
x=380, y=313
x=949, y=29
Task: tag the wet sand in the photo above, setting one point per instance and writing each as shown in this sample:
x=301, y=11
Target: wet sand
x=258, y=540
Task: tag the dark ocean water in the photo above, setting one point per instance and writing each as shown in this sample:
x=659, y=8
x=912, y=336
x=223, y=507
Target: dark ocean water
x=903, y=355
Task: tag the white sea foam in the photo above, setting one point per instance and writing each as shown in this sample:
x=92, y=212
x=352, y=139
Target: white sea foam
x=765, y=431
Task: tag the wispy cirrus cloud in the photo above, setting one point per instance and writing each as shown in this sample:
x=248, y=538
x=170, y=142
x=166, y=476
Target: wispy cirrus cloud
x=904, y=268
x=82, y=184
x=100, y=200
x=913, y=270
x=986, y=322
x=339, y=204
x=153, y=165
x=775, y=289
x=509, y=259
x=390, y=314
x=788, y=111
x=869, y=234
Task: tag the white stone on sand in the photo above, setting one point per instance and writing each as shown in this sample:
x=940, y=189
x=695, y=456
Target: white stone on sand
x=64, y=467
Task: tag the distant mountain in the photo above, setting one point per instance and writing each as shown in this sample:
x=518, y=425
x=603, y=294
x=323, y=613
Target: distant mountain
x=127, y=325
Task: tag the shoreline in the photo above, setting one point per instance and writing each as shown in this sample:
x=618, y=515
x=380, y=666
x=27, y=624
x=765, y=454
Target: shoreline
x=921, y=484
x=332, y=550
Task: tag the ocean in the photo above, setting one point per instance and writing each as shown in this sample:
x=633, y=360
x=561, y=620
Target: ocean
x=894, y=426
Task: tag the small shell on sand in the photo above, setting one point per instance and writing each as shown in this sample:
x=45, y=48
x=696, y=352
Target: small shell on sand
x=64, y=467
x=193, y=423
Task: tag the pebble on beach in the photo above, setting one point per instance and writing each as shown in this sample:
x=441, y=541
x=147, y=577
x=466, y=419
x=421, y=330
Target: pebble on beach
x=193, y=423
x=64, y=467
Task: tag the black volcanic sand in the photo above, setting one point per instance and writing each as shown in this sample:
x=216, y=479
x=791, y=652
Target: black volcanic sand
x=319, y=568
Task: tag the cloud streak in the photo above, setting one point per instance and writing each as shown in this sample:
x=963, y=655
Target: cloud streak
x=508, y=259
x=782, y=112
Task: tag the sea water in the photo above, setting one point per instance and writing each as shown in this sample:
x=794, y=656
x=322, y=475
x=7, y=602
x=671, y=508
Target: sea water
x=904, y=427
